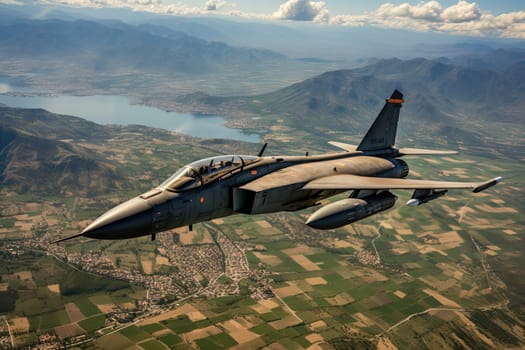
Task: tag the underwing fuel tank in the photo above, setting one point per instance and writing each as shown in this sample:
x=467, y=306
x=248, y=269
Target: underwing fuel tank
x=347, y=211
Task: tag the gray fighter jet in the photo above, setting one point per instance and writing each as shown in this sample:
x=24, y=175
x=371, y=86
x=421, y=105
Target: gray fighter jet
x=225, y=185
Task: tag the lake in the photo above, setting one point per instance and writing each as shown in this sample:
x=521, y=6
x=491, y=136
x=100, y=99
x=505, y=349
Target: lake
x=109, y=109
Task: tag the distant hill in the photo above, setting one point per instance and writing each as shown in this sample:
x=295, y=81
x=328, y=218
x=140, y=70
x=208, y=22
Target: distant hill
x=43, y=153
x=32, y=163
x=452, y=80
x=495, y=59
x=114, y=46
x=435, y=91
x=307, y=40
x=440, y=98
x=44, y=124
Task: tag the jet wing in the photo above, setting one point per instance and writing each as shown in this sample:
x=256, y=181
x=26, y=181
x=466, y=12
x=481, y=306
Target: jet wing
x=354, y=182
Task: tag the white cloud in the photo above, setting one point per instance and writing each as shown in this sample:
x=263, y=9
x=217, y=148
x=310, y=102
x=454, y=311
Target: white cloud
x=302, y=10
x=214, y=5
x=508, y=25
x=465, y=18
x=155, y=6
x=11, y=2
x=432, y=11
x=461, y=12
x=143, y=2
x=424, y=10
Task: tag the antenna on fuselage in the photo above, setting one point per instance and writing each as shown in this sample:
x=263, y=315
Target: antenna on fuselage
x=262, y=149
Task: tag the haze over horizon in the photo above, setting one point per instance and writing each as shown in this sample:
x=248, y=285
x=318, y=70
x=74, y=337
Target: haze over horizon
x=478, y=19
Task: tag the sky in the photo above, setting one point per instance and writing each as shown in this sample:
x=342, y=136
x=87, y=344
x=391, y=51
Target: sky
x=481, y=18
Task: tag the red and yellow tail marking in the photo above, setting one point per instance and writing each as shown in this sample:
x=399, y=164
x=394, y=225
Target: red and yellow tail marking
x=395, y=100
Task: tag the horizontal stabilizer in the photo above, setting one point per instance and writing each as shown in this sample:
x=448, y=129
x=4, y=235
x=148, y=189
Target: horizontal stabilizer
x=400, y=152
x=420, y=151
x=344, y=146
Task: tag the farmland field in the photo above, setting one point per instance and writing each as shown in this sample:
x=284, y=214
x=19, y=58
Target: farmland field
x=401, y=277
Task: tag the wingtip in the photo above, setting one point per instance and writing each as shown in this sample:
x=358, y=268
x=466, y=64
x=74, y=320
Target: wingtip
x=67, y=238
x=483, y=186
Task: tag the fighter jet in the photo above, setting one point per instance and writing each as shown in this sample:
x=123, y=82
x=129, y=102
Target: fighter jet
x=220, y=186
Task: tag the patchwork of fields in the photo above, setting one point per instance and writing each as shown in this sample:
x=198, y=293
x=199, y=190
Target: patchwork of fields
x=446, y=273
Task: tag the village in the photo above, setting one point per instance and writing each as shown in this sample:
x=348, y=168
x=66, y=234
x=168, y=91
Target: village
x=212, y=269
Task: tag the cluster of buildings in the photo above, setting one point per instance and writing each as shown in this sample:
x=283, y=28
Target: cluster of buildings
x=5, y=334
x=195, y=269
x=213, y=270
x=368, y=257
x=197, y=265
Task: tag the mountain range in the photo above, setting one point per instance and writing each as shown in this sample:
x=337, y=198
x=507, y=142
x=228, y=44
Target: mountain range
x=35, y=159
x=290, y=38
x=114, y=46
x=47, y=154
x=471, y=99
x=446, y=103
x=445, y=99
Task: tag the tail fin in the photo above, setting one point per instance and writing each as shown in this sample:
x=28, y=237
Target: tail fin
x=382, y=134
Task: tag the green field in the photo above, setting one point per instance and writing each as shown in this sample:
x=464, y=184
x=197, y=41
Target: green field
x=170, y=339
x=180, y=324
x=135, y=334
x=219, y=341
x=49, y=320
x=87, y=307
x=349, y=300
x=152, y=328
x=93, y=323
x=152, y=345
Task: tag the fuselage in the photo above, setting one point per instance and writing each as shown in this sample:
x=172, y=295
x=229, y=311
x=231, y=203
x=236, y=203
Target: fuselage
x=224, y=185
x=221, y=186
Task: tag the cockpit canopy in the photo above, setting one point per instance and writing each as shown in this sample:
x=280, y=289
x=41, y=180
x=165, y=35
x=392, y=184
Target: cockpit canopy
x=205, y=171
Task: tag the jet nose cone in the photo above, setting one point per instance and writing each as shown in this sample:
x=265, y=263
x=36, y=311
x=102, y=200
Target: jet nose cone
x=132, y=218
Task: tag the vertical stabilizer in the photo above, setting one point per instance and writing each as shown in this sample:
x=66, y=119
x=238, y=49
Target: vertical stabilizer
x=382, y=134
